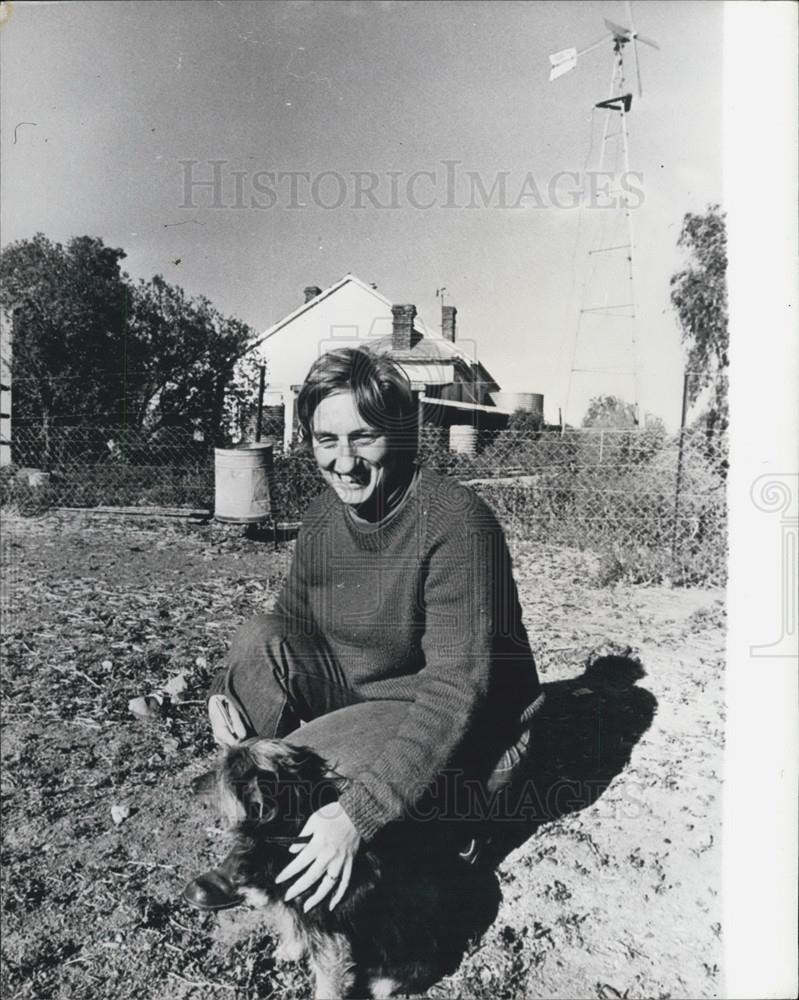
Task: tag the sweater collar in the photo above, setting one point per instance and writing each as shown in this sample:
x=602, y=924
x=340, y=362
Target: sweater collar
x=394, y=503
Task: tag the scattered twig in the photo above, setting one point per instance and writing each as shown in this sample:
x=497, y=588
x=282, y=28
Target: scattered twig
x=86, y=723
x=183, y=927
x=80, y=673
x=149, y=864
x=202, y=983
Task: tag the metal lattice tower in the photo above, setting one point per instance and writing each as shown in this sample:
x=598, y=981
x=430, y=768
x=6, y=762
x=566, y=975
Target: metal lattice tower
x=605, y=337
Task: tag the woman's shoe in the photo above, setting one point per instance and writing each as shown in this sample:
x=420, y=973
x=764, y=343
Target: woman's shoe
x=213, y=890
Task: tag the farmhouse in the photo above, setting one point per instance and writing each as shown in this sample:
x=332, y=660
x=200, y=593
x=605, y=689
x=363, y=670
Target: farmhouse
x=453, y=388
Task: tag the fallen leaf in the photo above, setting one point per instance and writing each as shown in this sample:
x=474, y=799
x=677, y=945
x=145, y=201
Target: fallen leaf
x=119, y=813
x=146, y=706
x=177, y=686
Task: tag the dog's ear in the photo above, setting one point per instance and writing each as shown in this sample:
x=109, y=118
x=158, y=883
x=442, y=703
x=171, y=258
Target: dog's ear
x=247, y=784
x=318, y=782
x=299, y=761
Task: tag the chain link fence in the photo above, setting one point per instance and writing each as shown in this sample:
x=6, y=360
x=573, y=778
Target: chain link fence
x=652, y=504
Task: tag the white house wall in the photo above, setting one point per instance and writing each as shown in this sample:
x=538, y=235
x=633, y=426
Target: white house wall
x=346, y=318
x=351, y=315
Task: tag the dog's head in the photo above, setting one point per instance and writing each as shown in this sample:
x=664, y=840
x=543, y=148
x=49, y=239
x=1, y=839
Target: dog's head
x=271, y=783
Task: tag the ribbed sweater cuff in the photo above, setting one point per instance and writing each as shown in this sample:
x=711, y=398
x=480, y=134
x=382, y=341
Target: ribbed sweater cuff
x=362, y=809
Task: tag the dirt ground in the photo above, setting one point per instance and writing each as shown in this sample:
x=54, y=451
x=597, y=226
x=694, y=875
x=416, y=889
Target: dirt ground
x=609, y=888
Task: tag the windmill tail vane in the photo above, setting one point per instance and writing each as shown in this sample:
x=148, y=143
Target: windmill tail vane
x=562, y=62
x=565, y=60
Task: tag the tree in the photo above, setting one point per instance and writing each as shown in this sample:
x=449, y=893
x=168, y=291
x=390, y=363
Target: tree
x=186, y=355
x=241, y=397
x=92, y=348
x=526, y=422
x=630, y=443
x=69, y=311
x=699, y=296
x=653, y=424
x=610, y=413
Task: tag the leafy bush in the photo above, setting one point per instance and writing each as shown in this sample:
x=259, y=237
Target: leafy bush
x=23, y=497
x=295, y=483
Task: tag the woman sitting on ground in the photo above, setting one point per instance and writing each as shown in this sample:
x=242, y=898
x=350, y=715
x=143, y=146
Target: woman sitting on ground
x=401, y=600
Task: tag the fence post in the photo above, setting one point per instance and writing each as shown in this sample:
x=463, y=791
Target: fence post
x=259, y=418
x=678, y=482
x=514, y=518
x=6, y=347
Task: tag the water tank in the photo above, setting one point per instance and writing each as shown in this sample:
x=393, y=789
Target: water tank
x=530, y=402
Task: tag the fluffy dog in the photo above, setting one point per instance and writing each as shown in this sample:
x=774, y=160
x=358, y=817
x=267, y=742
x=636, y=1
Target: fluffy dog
x=411, y=908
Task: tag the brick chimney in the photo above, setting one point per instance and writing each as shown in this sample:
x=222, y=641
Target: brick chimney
x=311, y=292
x=448, y=314
x=402, y=329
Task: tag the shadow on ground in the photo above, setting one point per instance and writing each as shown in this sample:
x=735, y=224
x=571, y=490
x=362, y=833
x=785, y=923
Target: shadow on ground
x=583, y=738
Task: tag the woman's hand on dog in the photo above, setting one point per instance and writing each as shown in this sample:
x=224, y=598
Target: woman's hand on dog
x=327, y=858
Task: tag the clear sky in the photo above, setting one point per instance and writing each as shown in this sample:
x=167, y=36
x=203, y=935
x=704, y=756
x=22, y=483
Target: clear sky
x=122, y=95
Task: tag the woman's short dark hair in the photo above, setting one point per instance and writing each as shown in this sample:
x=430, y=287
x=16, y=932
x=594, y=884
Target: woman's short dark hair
x=382, y=393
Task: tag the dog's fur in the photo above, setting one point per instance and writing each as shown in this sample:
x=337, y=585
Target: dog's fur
x=410, y=908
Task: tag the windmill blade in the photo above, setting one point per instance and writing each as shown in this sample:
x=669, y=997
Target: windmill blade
x=637, y=67
x=634, y=33
x=636, y=38
x=617, y=30
x=647, y=41
x=635, y=47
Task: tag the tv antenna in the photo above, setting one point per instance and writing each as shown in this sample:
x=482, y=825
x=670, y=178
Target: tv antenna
x=617, y=108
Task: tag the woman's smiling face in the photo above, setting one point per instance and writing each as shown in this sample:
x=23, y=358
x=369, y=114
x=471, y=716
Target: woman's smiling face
x=353, y=456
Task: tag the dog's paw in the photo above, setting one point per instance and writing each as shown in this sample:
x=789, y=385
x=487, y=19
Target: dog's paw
x=382, y=987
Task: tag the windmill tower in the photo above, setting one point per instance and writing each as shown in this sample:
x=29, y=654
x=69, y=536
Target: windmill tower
x=605, y=339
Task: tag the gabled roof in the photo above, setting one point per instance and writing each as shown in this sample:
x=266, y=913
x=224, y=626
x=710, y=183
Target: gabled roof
x=429, y=347
x=325, y=294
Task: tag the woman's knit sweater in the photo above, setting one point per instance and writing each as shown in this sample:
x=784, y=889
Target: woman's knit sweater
x=421, y=607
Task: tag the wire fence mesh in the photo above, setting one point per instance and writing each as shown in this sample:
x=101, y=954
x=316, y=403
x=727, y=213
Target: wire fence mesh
x=654, y=505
